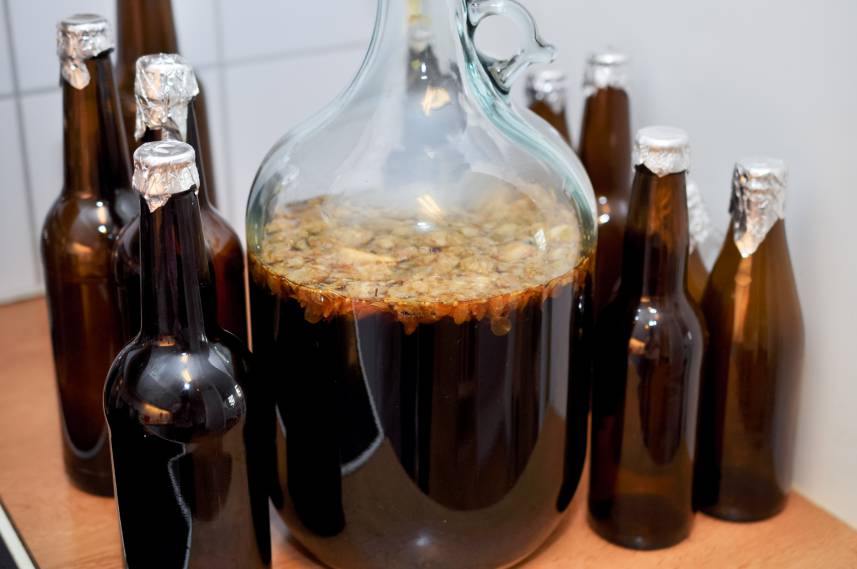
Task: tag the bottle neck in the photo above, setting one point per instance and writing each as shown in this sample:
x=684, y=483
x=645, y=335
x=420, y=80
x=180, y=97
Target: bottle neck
x=177, y=290
x=193, y=138
x=656, y=235
x=96, y=162
x=145, y=26
x=605, y=141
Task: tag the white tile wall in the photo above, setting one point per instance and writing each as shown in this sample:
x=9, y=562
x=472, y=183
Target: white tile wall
x=42, y=120
x=195, y=22
x=33, y=28
x=5, y=57
x=19, y=259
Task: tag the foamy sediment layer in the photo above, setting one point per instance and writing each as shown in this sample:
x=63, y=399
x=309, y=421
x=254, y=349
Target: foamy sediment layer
x=487, y=262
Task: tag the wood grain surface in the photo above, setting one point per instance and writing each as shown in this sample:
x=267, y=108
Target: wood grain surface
x=66, y=528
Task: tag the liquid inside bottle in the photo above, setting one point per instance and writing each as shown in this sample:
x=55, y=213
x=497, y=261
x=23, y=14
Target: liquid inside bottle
x=648, y=356
x=547, y=96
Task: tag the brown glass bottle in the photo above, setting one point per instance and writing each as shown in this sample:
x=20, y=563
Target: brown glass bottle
x=747, y=411
x=223, y=244
x=77, y=239
x=648, y=354
x=188, y=427
x=146, y=27
x=605, y=150
x=547, y=96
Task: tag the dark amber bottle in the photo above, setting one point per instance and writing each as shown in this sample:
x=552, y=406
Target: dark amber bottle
x=77, y=239
x=148, y=27
x=188, y=426
x=166, y=87
x=648, y=353
x=699, y=230
x=605, y=150
x=748, y=401
x=547, y=96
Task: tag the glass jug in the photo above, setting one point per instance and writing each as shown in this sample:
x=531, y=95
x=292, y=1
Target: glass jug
x=420, y=263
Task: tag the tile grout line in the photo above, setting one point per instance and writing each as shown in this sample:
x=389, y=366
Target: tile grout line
x=22, y=141
x=221, y=66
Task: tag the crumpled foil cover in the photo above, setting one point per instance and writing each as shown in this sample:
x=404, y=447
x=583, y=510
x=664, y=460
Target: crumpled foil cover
x=79, y=38
x=663, y=150
x=605, y=69
x=164, y=86
x=699, y=222
x=758, y=201
x=549, y=86
x=163, y=169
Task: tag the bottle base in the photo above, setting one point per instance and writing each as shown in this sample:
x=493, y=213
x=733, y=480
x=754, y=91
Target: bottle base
x=643, y=522
x=743, y=496
x=93, y=483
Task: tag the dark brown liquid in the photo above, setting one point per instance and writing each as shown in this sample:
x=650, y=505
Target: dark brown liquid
x=224, y=250
x=443, y=444
x=190, y=432
x=748, y=403
x=77, y=239
x=557, y=120
x=648, y=354
x=146, y=27
x=605, y=150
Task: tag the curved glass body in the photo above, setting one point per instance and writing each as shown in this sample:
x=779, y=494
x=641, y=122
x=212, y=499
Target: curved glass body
x=78, y=236
x=644, y=398
x=420, y=266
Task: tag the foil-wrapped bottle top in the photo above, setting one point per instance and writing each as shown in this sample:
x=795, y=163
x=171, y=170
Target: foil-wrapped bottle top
x=663, y=150
x=699, y=222
x=164, y=86
x=549, y=86
x=758, y=200
x=606, y=69
x=163, y=169
x=81, y=37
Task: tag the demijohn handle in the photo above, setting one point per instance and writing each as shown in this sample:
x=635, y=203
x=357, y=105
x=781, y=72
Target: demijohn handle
x=504, y=71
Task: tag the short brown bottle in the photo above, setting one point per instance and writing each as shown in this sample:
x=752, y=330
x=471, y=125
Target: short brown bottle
x=166, y=87
x=605, y=150
x=547, y=96
x=147, y=27
x=189, y=426
x=649, y=345
x=77, y=239
x=748, y=401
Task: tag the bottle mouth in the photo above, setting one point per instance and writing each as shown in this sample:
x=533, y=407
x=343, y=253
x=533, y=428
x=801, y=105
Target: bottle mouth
x=606, y=69
x=662, y=149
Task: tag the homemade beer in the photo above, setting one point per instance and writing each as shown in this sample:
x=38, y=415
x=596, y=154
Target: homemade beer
x=190, y=432
x=147, y=27
x=76, y=244
x=166, y=89
x=649, y=345
x=605, y=150
x=547, y=96
x=748, y=403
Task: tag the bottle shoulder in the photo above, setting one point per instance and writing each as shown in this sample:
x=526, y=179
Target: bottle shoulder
x=79, y=233
x=175, y=393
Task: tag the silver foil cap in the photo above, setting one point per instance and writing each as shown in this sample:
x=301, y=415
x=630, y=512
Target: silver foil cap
x=81, y=37
x=699, y=222
x=164, y=86
x=605, y=69
x=758, y=201
x=549, y=86
x=163, y=169
x=662, y=149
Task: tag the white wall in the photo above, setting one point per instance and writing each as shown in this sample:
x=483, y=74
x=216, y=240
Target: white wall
x=743, y=77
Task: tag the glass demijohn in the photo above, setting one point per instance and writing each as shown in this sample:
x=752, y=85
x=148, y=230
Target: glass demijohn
x=420, y=265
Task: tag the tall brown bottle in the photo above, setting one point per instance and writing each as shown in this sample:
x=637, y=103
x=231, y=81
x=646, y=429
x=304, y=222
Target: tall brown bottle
x=748, y=401
x=189, y=428
x=147, y=27
x=165, y=90
x=605, y=150
x=699, y=231
x=77, y=239
x=547, y=96
x=648, y=353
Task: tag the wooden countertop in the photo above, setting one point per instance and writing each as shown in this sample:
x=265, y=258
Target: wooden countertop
x=65, y=528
